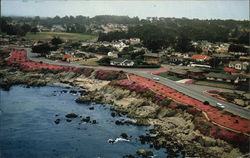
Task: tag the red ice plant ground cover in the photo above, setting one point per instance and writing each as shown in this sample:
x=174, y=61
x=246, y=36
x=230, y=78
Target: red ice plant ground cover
x=212, y=93
x=19, y=58
x=224, y=119
x=208, y=128
x=159, y=72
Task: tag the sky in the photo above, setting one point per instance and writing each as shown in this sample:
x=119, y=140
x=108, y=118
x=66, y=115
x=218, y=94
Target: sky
x=201, y=9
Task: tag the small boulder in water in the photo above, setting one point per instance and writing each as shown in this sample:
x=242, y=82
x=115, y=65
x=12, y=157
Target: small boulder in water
x=68, y=120
x=87, y=119
x=111, y=141
x=113, y=114
x=71, y=115
x=57, y=121
x=145, y=153
x=91, y=108
x=124, y=135
x=73, y=92
x=94, y=121
x=128, y=156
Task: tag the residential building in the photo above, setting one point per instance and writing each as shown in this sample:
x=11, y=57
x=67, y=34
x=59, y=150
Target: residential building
x=112, y=55
x=239, y=65
x=225, y=77
x=67, y=58
x=134, y=41
x=122, y=62
x=152, y=58
x=200, y=58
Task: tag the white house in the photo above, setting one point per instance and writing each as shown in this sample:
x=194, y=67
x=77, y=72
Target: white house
x=239, y=65
x=112, y=54
x=119, y=45
x=121, y=62
x=134, y=41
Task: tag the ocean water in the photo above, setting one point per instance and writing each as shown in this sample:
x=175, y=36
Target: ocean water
x=28, y=130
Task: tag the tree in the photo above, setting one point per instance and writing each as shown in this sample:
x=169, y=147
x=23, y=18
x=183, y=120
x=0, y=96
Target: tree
x=42, y=49
x=237, y=48
x=26, y=28
x=104, y=61
x=183, y=44
x=56, y=41
x=34, y=30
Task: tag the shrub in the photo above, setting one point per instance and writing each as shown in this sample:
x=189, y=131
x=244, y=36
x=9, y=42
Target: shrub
x=165, y=102
x=206, y=103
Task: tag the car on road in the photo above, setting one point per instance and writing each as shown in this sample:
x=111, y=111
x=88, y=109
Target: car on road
x=220, y=106
x=156, y=78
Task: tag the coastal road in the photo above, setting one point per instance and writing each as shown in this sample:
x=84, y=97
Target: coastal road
x=183, y=88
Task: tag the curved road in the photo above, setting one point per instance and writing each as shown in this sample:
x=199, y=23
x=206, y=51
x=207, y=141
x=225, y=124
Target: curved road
x=183, y=88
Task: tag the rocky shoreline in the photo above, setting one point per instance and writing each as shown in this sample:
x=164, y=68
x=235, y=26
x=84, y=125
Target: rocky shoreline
x=173, y=129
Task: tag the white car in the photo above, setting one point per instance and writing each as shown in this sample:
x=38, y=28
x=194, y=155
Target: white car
x=156, y=78
x=220, y=106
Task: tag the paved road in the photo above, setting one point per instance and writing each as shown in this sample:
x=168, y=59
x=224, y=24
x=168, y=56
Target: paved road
x=183, y=88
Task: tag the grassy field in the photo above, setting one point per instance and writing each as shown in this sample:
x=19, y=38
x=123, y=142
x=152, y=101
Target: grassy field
x=216, y=84
x=63, y=35
x=166, y=75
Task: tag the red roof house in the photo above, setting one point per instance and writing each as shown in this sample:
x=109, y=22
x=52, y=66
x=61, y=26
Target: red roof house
x=199, y=57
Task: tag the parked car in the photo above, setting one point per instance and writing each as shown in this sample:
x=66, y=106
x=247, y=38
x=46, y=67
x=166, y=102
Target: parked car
x=220, y=106
x=156, y=78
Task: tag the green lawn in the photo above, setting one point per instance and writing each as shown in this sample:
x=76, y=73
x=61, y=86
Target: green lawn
x=166, y=75
x=63, y=35
x=216, y=84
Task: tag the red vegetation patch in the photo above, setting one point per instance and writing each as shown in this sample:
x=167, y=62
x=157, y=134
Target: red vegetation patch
x=132, y=86
x=215, y=93
x=225, y=119
x=19, y=58
x=209, y=129
x=229, y=120
x=159, y=72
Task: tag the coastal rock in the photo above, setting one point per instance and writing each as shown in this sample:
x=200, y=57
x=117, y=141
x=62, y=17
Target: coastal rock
x=113, y=114
x=71, y=115
x=128, y=156
x=91, y=108
x=86, y=119
x=145, y=153
x=84, y=99
x=68, y=120
x=124, y=135
x=57, y=121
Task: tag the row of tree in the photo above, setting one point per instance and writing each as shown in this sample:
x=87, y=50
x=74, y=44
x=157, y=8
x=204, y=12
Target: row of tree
x=156, y=36
x=15, y=29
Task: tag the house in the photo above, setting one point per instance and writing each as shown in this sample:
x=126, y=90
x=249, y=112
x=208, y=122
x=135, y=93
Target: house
x=134, y=41
x=239, y=65
x=152, y=58
x=244, y=58
x=192, y=73
x=225, y=77
x=67, y=58
x=119, y=45
x=239, y=53
x=195, y=73
x=178, y=73
x=58, y=28
x=122, y=62
x=230, y=70
x=112, y=55
x=200, y=58
x=174, y=59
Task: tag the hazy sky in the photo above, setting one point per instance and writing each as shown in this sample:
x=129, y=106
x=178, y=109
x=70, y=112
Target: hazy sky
x=203, y=9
